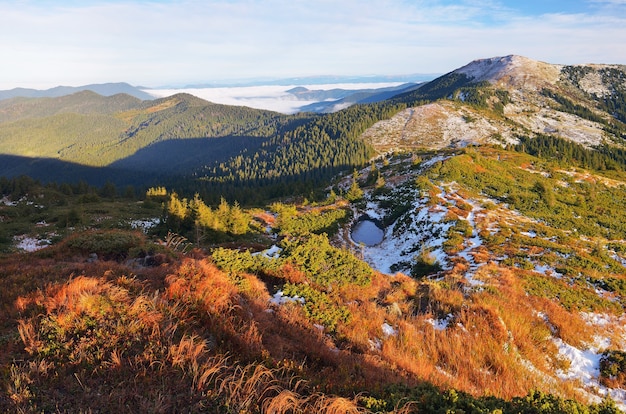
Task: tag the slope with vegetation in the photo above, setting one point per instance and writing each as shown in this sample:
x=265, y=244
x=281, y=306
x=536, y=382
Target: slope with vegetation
x=233, y=151
x=499, y=285
x=494, y=306
x=499, y=99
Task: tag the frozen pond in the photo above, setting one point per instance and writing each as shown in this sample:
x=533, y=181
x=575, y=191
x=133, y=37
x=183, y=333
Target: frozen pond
x=367, y=231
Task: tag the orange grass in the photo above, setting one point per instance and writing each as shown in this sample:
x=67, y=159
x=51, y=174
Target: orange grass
x=189, y=332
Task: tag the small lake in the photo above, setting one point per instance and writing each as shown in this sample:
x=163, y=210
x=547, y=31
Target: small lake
x=367, y=231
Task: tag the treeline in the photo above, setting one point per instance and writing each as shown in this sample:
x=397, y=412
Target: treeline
x=442, y=87
x=17, y=187
x=460, y=87
x=185, y=116
x=616, y=101
x=71, y=137
x=565, y=105
x=294, y=154
x=84, y=102
x=613, y=102
x=571, y=153
x=96, y=136
x=307, y=155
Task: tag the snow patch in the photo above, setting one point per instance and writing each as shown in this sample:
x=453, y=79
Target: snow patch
x=5, y=200
x=597, y=319
x=584, y=364
x=280, y=299
x=585, y=367
x=441, y=324
x=31, y=244
x=144, y=224
x=272, y=253
x=547, y=271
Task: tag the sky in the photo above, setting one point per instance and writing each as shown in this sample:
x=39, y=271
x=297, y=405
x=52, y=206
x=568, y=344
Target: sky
x=45, y=43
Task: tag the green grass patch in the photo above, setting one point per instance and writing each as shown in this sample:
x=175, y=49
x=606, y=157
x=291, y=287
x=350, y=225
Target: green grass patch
x=571, y=297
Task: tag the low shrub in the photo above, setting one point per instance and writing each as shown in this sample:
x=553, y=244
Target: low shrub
x=107, y=244
x=613, y=368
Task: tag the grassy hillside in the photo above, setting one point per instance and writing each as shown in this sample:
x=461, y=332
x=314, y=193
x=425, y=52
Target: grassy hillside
x=85, y=102
x=499, y=285
x=228, y=150
x=93, y=130
x=496, y=299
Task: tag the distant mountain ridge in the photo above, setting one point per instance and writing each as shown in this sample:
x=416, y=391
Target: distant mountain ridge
x=93, y=130
x=488, y=101
x=104, y=89
x=337, y=99
x=82, y=102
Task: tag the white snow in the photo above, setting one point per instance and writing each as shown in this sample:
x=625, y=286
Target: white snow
x=485, y=69
x=619, y=259
x=585, y=367
x=280, y=299
x=472, y=243
x=584, y=364
x=373, y=211
x=597, y=319
x=31, y=244
x=144, y=224
x=272, y=253
x=423, y=229
x=5, y=200
x=440, y=324
x=547, y=271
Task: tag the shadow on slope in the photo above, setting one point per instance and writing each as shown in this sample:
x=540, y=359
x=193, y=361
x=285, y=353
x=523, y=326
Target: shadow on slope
x=53, y=170
x=149, y=166
x=181, y=156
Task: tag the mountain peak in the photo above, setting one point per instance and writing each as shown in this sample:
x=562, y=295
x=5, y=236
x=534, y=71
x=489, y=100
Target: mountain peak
x=511, y=69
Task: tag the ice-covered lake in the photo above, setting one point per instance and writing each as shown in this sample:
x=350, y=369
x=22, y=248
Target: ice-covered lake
x=368, y=232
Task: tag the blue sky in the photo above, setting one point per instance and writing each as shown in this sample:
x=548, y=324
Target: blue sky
x=46, y=43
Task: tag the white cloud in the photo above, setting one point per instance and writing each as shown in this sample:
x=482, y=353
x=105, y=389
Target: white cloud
x=271, y=97
x=194, y=41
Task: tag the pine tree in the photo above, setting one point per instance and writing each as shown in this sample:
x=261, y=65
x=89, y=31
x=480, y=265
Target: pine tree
x=354, y=193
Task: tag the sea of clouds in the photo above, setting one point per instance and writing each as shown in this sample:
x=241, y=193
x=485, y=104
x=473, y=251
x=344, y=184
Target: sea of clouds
x=270, y=97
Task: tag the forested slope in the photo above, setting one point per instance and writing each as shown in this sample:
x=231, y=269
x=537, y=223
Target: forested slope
x=252, y=155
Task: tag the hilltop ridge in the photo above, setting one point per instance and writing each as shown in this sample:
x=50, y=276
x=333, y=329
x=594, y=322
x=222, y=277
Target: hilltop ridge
x=512, y=69
x=488, y=101
x=105, y=89
x=495, y=100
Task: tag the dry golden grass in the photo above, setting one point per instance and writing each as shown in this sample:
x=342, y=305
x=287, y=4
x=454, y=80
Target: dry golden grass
x=188, y=333
x=284, y=403
x=569, y=326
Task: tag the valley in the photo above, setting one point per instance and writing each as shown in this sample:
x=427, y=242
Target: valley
x=236, y=280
